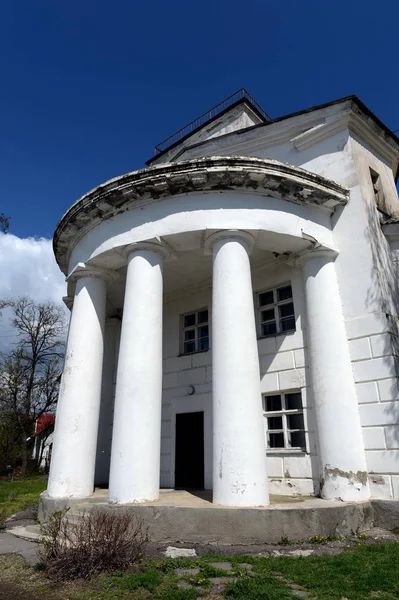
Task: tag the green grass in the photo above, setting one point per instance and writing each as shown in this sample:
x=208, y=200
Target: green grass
x=368, y=572
x=364, y=573
x=17, y=495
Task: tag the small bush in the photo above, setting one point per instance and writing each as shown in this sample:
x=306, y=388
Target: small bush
x=94, y=542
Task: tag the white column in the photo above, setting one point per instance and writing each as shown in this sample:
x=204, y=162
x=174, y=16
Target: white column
x=341, y=452
x=239, y=449
x=75, y=436
x=136, y=438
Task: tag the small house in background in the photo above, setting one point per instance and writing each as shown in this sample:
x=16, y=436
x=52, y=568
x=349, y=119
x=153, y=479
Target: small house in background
x=43, y=441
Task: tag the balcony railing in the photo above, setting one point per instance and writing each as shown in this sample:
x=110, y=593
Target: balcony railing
x=210, y=114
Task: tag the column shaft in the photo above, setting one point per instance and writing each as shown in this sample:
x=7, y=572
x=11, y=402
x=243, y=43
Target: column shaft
x=136, y=438
x=341, y=453
x=75, y=436
x=239, y=450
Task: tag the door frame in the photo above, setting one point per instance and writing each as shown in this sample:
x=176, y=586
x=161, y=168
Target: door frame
x=200, y=403
x=199, y=443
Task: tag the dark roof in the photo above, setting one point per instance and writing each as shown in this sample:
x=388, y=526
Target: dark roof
x=351, y=98
x=43, y=422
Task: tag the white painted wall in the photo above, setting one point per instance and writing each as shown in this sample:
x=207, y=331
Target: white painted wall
x=365, y=278
x=42, y=446
x=283, y=367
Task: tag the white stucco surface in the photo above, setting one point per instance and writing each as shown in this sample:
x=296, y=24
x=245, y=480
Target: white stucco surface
x=341, y=356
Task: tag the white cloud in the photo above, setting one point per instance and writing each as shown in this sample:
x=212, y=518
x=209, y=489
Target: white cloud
x=27, y=268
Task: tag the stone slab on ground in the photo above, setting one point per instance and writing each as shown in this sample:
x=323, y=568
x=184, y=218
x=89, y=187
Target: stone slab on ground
x=184, y=585
x=28, y=532
x=172, y=552
x=186, y=572
x=222, y=580
x=222, y=566
x=246, y=566
x=9, y=544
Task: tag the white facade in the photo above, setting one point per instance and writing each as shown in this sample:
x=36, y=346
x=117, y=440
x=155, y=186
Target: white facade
x=256, y=296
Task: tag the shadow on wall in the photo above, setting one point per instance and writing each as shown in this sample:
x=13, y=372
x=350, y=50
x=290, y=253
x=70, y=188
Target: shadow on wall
x=383, y=296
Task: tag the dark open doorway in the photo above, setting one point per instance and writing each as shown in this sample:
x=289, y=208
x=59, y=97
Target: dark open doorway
x=189, y=456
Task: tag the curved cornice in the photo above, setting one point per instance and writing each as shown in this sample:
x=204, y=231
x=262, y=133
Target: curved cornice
x=215, y=173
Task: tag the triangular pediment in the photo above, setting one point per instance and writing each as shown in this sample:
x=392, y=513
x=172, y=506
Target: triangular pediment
x=238, y=112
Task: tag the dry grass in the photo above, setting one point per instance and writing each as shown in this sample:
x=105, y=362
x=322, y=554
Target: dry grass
x=96, y=542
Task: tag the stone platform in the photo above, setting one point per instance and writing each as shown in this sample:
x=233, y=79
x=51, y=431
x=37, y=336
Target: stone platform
x=182, y=516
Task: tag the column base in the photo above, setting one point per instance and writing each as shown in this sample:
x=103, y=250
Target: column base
x=348, y=487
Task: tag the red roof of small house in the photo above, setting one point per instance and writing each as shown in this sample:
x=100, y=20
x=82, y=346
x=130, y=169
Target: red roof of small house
x=43, y=422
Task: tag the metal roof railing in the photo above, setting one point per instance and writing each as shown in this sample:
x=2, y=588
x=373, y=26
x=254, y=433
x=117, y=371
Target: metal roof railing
x=207, y=116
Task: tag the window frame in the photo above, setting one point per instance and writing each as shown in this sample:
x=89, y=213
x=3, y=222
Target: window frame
x=275, y=307
x=194, y=327
x=285, y=430
x=378, y=189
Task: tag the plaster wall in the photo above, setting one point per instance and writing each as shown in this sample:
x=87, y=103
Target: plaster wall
x=367, y=284
x=200, y=211
x=369, y=292
x=283, y=365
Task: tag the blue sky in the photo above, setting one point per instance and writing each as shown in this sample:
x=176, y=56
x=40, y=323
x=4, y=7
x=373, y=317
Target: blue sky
x=89, y=87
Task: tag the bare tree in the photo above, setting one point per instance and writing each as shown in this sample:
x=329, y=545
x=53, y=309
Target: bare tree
x=30, y=370
x=4, y=223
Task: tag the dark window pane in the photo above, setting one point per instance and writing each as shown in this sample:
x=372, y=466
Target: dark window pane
x=266, y=298
x=284, y=293
x=189, y=335
x=287, y=324
x=293, y=401
x=268, y=315
x=286, y=310
x=189, y=347
x=203, y=316
x=295, y=421
x=273, y=403
x=189, y=320
x=298, y=440
x=203, y=331
x=203, y=344
x=275, y=422
x=276, y=440
x=269, y=328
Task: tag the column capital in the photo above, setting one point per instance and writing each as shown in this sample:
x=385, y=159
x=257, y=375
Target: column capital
x=309, y=254
x=68, y=301
x=83, y=270
x=228, y=234
x=157, y=246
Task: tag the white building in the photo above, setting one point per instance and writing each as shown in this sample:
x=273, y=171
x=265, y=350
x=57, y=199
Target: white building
x=234, y=314
x=43, y=441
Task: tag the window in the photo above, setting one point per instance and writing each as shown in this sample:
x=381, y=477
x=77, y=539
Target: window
x=378, y=190
x=195, y=331
x=276, y=311
x=285, y=424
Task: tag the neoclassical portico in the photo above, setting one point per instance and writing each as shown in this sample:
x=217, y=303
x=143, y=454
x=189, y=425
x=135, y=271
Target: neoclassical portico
x=132, y=228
